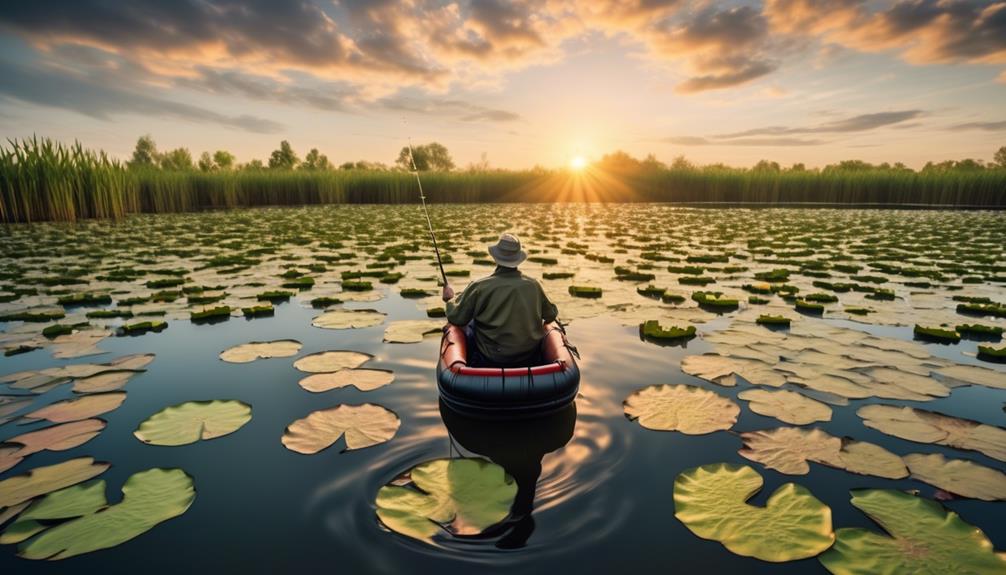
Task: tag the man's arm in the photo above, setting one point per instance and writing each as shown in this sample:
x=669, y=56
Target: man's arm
x=549, y=312
x=461, y=310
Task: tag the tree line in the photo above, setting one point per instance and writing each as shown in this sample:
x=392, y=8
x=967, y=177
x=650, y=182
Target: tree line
x=432, y=156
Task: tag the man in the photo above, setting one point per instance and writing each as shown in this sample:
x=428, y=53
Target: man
x=502, y=313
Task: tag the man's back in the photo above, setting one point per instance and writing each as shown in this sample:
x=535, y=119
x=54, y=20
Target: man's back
x=507, y=310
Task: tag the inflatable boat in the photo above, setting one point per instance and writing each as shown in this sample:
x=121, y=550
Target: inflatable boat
x=512, y=392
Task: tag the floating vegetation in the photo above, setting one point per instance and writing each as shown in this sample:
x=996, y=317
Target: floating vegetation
x=28, y=316
x=937, y=334
x=348, y=319
x=301, y=283
x=808, y=307
x=329, y=361
x=148, y=498
x=773, y=320
x=589, y=292
x=452, y=496
x=84, y=299
x=249, y=352
x=672, y=298
x=977, y=330
x=715, y=300
x=784, y=405
x=412, y=330
x=930, y=427
x=41, y=480
x=685, y=408
x=958, y=476
x=557, y=275
x=274, y=296
x=362, y=425
x=258, y=311
x=355, y=285
x=436, y=312
x=410, y=293
x=324, y=301
x=650, y=329
x=194, y=421
x=58, y=437
x=711, y=501
x=211, y=314
x=989, y=353
x=362, y=379
x=925, y=538
x=790, y=449
x=142, y=327
x=651, y=291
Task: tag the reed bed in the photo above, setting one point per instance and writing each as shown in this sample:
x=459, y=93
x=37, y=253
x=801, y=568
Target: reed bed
x=41, y=180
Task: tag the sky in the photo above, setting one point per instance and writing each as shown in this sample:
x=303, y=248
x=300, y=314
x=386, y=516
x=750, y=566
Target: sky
x=520, y=83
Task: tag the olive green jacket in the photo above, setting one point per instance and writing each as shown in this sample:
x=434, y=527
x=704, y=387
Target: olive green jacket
x=508, y=309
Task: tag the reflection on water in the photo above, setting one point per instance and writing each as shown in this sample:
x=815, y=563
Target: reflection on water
x=518, y=446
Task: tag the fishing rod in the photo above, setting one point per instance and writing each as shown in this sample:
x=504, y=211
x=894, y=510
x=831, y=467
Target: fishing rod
x=426, y=211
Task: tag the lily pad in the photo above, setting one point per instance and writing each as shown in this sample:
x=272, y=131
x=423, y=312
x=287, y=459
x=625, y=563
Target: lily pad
x=73, y=501
x=193, y=421
x=104, y=381
x=459, y=496
x=721, y=370
x=411, y=330
x=148, y=498
x=248, y=352
x=958, y=476
x=329, y=361
x=925, y=539
x=53, y=438
x=685, y=408
x=363, y=425
x=42, y=480
x=790, y=450
x=931, y=427
x=711, y=501
x=784, y=405
x=362, y=379
x=348, y=319
x=79, y=408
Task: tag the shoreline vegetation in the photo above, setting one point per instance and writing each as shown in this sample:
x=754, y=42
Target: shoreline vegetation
x=43, y=180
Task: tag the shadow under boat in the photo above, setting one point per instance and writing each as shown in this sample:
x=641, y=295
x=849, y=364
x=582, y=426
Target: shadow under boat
x=518, y=446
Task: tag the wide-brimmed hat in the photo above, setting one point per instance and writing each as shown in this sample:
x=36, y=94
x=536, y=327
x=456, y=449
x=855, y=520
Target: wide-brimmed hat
x=507, y=251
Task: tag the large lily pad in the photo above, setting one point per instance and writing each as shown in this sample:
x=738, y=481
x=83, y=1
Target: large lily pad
x=711, y=501
x=362, y=379
x=104, y=381
x=42, y=480
x=348, y=319
x=412, y=330
x=790, y=450
x=73, y=501
x=459, y=496
x=931, y=427
x=193, y=421
x=79, y=408
x=784, y=405
x=148, y=498
x=249, y=352
x=926, y=539
x=53, y=438
x=958, y=476
x=685, y=408
x=329, y=361
x=363, y=425
x=722, y=370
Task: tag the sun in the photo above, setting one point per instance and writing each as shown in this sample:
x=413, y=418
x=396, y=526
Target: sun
x=578, y=163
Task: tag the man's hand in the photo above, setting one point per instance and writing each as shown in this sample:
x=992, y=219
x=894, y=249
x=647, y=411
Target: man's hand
x=448, y=294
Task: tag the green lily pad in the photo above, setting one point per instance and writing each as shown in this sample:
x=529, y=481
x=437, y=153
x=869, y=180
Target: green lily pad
x=42, y=480
x=958, y=476
x=925, y=539
x=248, y=352
x=348, y=319
x=784, y=405
x=329, y=361
x=73, y=501
x=931, y=427
x=685, y=408
x=148, y=498
x=711, y=501
x=363, y=425
x=457, y=496
x=193, y=421
x=411, y=330
x=362, y=379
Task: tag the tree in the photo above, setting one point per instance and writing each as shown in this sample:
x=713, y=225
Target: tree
x=223, y=159
x=432, y=156
x=682, y=163
x=179, y=160
x=253, y=166
x=206, y=163
x=999, y=158
x=284, y=158
x=766, y=166
x=316, y=161
x=145, y=155
x=798, y=167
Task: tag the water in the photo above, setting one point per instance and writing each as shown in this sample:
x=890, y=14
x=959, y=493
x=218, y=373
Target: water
x=594, y=487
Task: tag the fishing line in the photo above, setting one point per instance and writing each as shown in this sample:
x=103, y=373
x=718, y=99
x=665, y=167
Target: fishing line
x=429, y=224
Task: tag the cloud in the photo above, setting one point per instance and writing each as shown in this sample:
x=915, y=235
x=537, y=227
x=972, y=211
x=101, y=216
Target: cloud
x=739, y=74
x=759, y=142
x=987, y=126
x=860, y=123
x=458, y=109
x=328, y=97
x=101, y=99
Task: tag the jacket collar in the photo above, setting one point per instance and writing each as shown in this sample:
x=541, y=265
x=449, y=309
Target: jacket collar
x=503, y=270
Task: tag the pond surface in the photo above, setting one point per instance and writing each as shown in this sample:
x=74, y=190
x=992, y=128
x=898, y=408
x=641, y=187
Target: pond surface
x=595, y=489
